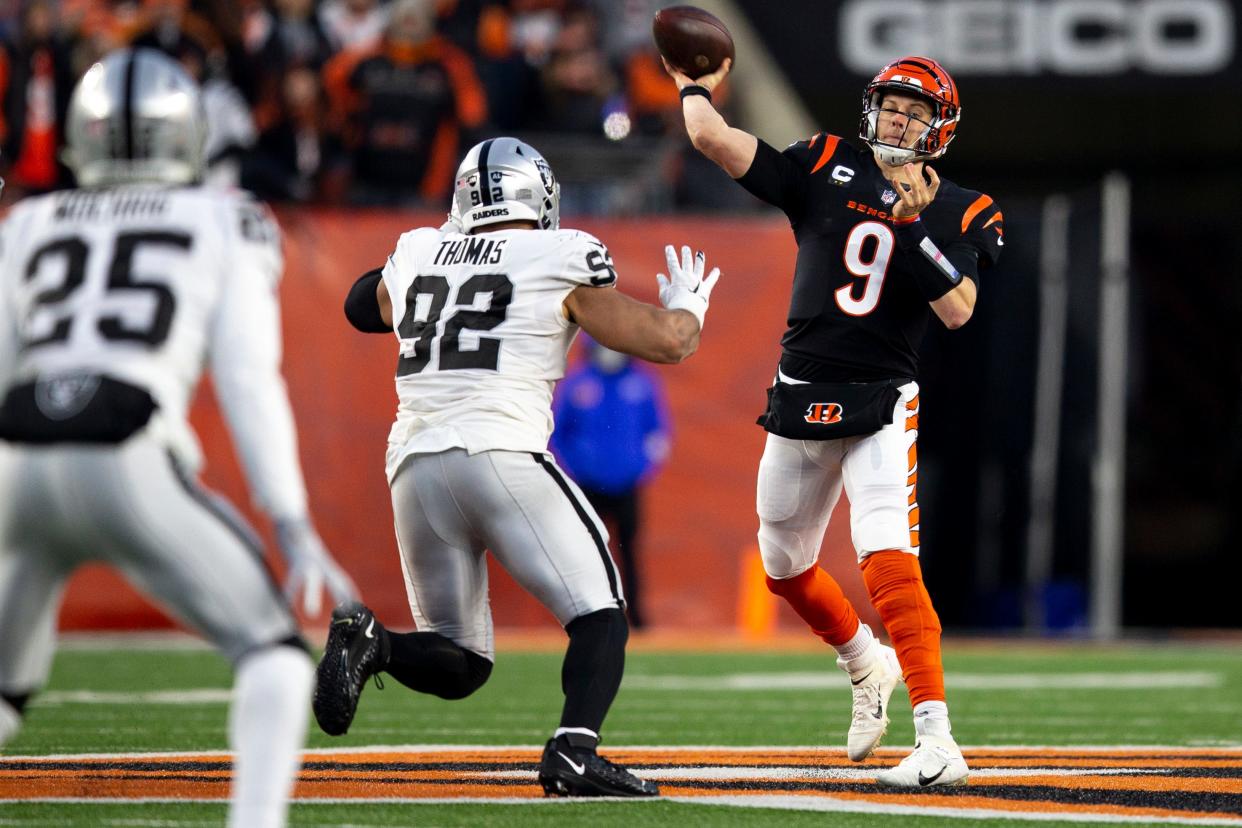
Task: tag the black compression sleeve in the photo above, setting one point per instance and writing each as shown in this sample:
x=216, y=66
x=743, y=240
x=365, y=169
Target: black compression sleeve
x=430, y=663
x=934, y=274
x=594, y=662
x=362, y=307
x=775, y=178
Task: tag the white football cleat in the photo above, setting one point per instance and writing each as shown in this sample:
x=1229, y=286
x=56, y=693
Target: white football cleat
x=936, y=760
x=872, y=687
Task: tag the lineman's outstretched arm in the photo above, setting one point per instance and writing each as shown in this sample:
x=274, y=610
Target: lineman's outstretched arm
x=731, y=148
x=668, y=334
x=624, y=324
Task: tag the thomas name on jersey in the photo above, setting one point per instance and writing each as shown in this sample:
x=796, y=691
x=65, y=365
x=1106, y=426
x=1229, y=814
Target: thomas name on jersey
x=470, y=251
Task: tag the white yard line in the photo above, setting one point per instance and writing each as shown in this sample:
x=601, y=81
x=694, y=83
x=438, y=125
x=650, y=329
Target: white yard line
x=732, y=683
x=203, y=695
x=1172, y=679
x=146, y=641
x=736, y=773
x=833, y=805
x=314, y=754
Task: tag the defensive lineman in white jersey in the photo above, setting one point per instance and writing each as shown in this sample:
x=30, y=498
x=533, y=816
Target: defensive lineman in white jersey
x=485, y=310
x=509, y=341
x=112, y=298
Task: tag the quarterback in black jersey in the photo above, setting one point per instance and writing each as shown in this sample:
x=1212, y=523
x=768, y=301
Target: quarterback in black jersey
x=883, y=244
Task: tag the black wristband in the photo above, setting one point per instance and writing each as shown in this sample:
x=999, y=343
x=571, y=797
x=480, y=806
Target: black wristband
x=934, y=274
x=695, y=89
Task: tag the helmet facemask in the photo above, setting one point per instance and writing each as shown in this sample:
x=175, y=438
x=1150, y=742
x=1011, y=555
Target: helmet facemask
x=924, y=132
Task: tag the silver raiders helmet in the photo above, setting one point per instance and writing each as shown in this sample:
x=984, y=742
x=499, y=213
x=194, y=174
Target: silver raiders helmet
x=504, y=179
x=136, y=116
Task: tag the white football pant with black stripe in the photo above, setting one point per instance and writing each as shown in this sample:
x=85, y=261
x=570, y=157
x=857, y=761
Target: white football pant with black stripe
x=452, y=506
x=128, y=506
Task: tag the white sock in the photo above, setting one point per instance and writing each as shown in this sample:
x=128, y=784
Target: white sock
x=931, y=718
x=858, y=653
x=267, y=729
x=10, y=721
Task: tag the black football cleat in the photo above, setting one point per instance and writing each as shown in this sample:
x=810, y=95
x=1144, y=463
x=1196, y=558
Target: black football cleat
x=569, y=771
x=356, y=650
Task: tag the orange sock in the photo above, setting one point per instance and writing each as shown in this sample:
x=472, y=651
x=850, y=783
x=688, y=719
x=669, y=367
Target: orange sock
x=895, y=582
x=818, y=599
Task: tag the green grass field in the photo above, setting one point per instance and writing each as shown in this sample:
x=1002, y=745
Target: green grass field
x=104, y=700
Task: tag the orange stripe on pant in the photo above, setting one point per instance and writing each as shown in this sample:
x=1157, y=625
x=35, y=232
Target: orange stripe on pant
x=895, y=582
x=912, y=469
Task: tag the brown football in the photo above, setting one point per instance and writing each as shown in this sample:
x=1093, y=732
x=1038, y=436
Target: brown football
x=691, y=39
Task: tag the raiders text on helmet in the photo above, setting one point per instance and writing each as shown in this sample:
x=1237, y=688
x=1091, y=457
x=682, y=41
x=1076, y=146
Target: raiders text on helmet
x=504, y=179
x=136, y=116
x=926, y=79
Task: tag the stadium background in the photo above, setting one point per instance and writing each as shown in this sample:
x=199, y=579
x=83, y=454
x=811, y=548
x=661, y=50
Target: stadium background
x=1056, y=95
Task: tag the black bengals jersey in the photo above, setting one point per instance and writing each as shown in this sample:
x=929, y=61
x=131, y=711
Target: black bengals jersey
x=856, y=314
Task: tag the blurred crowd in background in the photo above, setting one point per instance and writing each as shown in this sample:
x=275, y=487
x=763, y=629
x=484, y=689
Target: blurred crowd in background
x=372, y=102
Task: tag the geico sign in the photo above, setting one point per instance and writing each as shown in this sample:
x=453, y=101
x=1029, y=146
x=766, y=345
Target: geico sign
x=1072, y=37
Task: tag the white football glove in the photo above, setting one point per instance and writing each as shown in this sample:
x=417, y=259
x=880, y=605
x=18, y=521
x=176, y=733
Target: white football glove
x=311, y=567
x=685, y=288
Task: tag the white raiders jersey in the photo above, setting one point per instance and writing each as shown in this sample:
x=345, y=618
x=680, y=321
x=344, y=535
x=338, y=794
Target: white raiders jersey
x=483, y=335
x=145, y=285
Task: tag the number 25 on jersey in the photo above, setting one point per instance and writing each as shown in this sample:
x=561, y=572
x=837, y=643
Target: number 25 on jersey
x=52, y=314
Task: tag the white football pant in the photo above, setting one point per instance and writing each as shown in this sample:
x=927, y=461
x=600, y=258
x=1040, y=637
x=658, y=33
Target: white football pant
x=451, y=506
x=129, y=506
x=800, y=482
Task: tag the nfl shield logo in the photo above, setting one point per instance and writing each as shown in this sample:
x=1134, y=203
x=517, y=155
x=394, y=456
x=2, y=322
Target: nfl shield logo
x=888, y=196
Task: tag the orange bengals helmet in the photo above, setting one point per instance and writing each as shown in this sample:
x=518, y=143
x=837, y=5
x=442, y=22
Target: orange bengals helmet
x=927, y=79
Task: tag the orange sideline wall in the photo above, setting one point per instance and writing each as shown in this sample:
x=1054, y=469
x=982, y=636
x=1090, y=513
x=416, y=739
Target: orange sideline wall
x=698, y=540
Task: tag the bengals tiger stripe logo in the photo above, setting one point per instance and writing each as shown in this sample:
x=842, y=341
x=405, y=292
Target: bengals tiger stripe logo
x=824, y=413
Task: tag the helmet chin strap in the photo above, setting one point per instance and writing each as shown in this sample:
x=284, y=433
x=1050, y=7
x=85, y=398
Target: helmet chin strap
x=893, y=156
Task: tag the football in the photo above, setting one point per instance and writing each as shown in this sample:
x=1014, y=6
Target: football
x=691, y=39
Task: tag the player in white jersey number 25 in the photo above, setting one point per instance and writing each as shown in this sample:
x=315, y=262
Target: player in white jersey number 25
x=112, y=297
x=485, y=309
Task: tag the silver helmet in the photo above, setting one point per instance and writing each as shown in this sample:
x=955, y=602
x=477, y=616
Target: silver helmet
x=504, y=179
x=136, y=116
